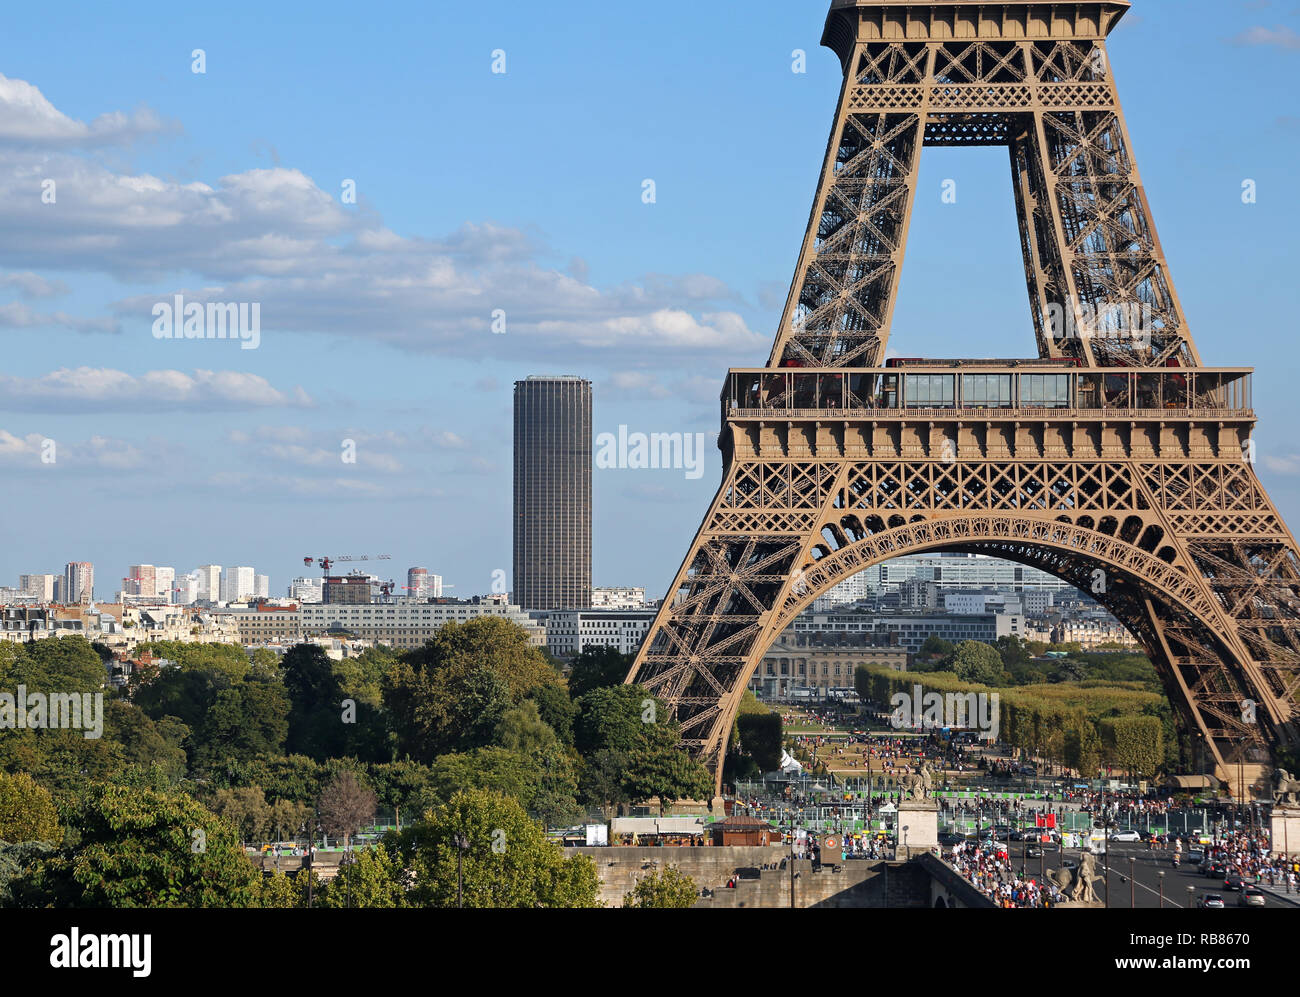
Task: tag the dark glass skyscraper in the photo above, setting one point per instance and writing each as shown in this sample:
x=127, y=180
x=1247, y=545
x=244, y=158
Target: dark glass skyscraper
x=552, y=528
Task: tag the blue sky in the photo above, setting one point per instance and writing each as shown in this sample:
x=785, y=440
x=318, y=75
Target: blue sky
x=519, y=191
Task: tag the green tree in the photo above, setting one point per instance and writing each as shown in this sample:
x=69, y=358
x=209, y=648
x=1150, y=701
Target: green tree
x=977, y=663
x=20, y=870
x=668, y=887
x=936, y=647
x=1083, y=748
x=145, y=848
x=614, y=718
x=658, y=767
x=760, y=738
x=369, y=878
x=27, y=811
x=316, y=727
x=602, y=782
x=279, y=891
x=1135, y=744
x=596, y=668
x=507, y=861
x=557, y=708
x=246, y=809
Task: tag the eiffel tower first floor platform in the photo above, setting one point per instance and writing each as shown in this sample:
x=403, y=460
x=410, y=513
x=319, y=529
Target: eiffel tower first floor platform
x=1136, y=486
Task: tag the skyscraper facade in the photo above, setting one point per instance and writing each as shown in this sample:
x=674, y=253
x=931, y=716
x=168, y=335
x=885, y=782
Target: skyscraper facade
x=209, y=576
x=78, y=583
x=141, y=579
x=552, y=501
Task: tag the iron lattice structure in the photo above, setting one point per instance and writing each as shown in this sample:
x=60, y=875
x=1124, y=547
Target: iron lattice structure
x=1116, y=461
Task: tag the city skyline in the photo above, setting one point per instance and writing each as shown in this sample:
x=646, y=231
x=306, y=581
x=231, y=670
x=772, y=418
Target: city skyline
x=586, y=272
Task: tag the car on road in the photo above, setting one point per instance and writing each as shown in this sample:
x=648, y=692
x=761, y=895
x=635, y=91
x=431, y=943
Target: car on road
x=1212, y=900
x=1069, y=863
x=1251, y=896
x=1216, y=870
x=1125, y=836
x=1195, y=856
x=1033, y=851
x=1232, y=882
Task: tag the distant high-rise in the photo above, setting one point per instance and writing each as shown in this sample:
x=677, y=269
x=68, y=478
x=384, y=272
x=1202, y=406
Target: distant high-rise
x=552, y=512
x=305, y=589
x=240, y=583
x=209, y=576
x=79, y=583
x=141, y=580
x=422, y=585
x=189, y=589
x=348, y=590
x=165, y=583
x=39, y=587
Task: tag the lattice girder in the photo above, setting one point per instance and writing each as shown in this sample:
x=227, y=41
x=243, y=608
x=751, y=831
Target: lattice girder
x=1199, y=564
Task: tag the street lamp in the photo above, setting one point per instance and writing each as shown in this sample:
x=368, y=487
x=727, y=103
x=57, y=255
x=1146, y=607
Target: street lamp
x=906, y=853
x=1161, y=881
x=1132, y=882
x=1105, y=826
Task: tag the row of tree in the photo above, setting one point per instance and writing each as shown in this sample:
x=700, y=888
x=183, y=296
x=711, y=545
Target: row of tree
x=1082, y=726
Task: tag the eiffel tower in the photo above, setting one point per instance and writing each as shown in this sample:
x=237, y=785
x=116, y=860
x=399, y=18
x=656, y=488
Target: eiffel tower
x=1114, y=459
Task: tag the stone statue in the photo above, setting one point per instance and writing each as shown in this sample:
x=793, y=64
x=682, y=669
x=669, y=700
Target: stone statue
x=917, y=785
x=1080, y=888
x=1286, y=791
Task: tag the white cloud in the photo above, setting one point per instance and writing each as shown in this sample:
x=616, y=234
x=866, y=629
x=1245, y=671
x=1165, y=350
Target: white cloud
x=1285, y=464
x=20, y=316
x=26, y=116
x=275, y=237
x=1278, y=37
x=32, y=452
x=105, y=389
x=31, y=285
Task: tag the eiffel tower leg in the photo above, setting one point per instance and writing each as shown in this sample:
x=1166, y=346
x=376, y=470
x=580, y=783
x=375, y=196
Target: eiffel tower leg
x=708, y=636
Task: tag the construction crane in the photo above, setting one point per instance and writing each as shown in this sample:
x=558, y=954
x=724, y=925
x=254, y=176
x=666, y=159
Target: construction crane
x=327, y=562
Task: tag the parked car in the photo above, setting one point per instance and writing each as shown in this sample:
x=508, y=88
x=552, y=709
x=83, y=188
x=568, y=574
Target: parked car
x=1251, y=896
x=1212, y=900
x=1125, y=836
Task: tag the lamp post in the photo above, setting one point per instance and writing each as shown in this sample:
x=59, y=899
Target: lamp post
x=1132, y=882
x=906, y=853
x=1191, y=890
x=1106, y=833
x=1161, y=881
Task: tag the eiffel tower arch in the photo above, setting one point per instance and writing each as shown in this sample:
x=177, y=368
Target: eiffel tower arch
x=1114, y=459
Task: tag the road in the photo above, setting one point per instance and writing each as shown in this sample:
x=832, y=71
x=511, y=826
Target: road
x=1143, y=889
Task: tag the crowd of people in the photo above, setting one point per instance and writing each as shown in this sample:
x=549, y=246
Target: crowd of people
x=991, y=872
x=1248, y=855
